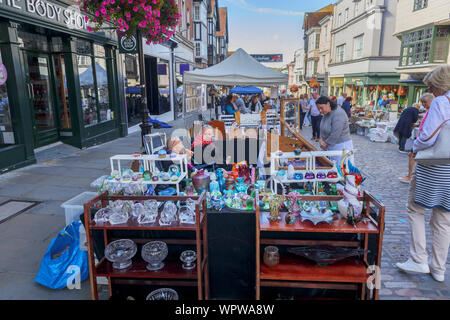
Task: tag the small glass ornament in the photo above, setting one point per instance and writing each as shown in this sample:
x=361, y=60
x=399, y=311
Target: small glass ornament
x=169, y=214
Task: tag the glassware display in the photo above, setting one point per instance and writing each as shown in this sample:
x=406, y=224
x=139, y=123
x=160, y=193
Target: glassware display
x=149, y=213
x=163, y=294
x=201, y=180
x=241, y=186
x=294, y=207
x=120, y=253
x=187, y=215
x=188, y=258
x=326, y=255
x=102, y=215
x=169, y=214
x=271, y=256
x=275, y=202
x=316, y=215
x=154, y=253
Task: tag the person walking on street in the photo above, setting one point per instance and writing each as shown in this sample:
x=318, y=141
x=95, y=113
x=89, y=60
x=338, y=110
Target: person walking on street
x=341, y=99
x=334, y=127
x=426, y=100
x=405, y=125
x=430, y=185
x=316, y=117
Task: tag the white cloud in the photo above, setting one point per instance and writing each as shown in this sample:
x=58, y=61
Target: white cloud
x=244, y=5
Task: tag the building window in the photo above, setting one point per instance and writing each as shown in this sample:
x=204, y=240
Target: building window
x=210, y=32
x=339, y=21
x=197, y=31
x=421, y=47
x=93, y=83
x=197, y=49
x=420, y=4
x=358, y=47
x=317, y=41
x=325, y=31
x=197, y=12
x=6, y=129
x=356, y=8
x=346, y=15
x=340, y=51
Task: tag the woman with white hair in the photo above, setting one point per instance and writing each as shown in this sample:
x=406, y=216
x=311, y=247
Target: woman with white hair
x=430, y=185
x=426, y=100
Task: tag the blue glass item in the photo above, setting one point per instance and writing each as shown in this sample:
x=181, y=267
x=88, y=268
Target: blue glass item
x=174, y=170
x=281, y=173
x=168, y=192
x=298, y=176
x=150, y=191
x=214, y=185
x=241, y=186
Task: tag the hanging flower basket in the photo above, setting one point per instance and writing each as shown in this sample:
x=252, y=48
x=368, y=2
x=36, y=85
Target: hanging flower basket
x=313, y=83
x=294, y=88
x=155, y=19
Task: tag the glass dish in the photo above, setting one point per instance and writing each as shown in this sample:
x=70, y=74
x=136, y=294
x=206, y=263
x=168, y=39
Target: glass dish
x=326, y=255
x=120, y=253
x=163, y=294
x=188, y=257
x=154, y=253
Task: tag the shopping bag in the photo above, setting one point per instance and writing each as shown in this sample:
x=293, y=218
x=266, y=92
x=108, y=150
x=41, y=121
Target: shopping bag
x=65, y=263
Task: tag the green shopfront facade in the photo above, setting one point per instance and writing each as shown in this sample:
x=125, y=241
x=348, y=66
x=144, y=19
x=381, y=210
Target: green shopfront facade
x=367, y=87
x=61, y=81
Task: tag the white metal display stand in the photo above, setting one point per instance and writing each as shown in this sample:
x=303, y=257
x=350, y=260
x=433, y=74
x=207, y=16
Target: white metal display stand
x=149, y=163
x=310, y=157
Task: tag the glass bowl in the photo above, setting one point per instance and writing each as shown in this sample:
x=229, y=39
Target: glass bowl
x=154, y=253
x=120, y=253
x=163, y=294
x=188, y=257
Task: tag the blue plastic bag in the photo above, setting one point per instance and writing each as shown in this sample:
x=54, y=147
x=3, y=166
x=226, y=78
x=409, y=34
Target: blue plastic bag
x=65, y=263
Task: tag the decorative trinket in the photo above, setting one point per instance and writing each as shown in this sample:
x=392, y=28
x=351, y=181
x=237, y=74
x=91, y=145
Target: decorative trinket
x=271, y=256
x=310, y=176
x=275, y=202
x=201, y=180
x=169, y=214
x=321, y=175
x=294, y=208
x=332, y=175
x=174, y=170
x=297, y=152
x=289, y=218
x=155, y=178
x=298, y=176
x=162, y=154
x=326, y=255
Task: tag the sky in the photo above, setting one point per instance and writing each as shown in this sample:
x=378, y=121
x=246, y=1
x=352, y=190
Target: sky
x=268, y=26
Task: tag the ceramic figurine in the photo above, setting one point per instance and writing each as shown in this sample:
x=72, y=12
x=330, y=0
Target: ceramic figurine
x=294, y=208
x=349, y=207
x=290, y=172
x=289, y=218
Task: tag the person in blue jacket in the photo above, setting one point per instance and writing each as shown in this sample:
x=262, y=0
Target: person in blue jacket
x=230, y=107
x=347, y=106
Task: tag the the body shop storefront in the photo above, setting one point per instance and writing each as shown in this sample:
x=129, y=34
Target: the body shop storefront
x=61, y=81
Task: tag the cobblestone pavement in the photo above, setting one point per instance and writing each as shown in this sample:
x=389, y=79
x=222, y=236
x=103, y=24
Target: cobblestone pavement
x=382, y=164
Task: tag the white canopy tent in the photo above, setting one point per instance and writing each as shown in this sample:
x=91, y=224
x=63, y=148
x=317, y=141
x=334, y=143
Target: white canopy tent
x=239, y=69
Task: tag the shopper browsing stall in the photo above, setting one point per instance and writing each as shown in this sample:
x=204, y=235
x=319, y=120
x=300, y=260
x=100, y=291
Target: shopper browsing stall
x=334, y=127
x=316, y=117
x=230, y=106
x=405, y=126
x=426, y=100
x=255, y=105
x=430, y=185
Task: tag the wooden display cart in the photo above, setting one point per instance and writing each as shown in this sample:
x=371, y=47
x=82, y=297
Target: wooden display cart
x=297, y=272
x=172, y=273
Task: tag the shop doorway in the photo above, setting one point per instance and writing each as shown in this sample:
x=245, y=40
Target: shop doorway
x=42, y=102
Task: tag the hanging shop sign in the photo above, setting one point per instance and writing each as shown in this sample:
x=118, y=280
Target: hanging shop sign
x=127, y=44
x=268, y=57
x=3, y=74
x=69, y=17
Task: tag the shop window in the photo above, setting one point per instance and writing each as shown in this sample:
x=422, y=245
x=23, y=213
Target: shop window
x=32, y=41
x=93, y=74
x=62, y=92
x=6, y=129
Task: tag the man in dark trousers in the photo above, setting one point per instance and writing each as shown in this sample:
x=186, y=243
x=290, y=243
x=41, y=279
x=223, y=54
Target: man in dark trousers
x=405, y=125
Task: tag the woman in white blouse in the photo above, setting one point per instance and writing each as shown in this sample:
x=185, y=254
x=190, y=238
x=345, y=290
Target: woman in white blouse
x=430, y=186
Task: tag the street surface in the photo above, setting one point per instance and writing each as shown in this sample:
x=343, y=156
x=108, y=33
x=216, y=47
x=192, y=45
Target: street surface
x=64, y=172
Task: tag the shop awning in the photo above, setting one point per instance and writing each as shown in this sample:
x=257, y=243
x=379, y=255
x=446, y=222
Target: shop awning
x=238, y=69
x=246, y=90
